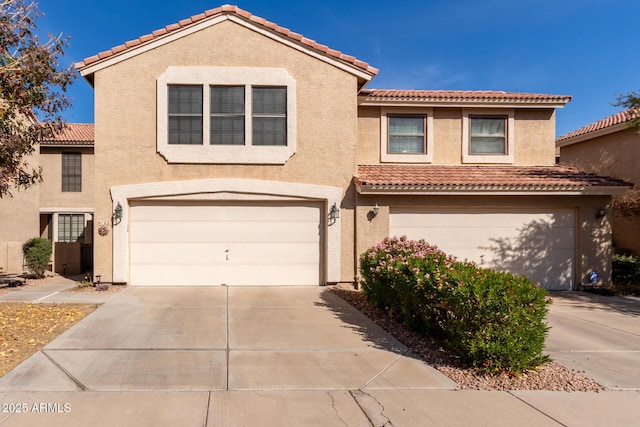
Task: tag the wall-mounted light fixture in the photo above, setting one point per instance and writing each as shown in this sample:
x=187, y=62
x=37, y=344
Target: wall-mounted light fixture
x=375, y=211
x=117, y=214
x=601, y=213
x=334, y=214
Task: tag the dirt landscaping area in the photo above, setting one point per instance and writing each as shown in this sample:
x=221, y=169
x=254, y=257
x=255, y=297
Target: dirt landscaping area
x=25, y=328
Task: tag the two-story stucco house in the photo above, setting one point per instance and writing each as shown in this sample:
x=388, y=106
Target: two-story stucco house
x=230, y=150
x=60, y=208
x=610, y=147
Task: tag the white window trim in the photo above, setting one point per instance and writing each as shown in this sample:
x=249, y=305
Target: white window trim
x=225, y=154
x=492, y=158
x=387, y=157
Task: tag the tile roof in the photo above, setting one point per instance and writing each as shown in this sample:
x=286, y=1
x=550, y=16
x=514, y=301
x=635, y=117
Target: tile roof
x=462, y=95
x=73, y=134
x=479, y=178
x=229, y=10
x=615, y=119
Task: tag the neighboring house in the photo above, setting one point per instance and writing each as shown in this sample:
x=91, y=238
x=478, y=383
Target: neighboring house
x=230, y=150
x=609, y=147
x=60, y=208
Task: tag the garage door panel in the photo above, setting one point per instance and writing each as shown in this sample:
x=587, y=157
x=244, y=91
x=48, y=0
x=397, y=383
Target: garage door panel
x=210, y=231
x=227, y=253
x=206, y=275
x=178, y=243
x=221, y=213
x=536, y=243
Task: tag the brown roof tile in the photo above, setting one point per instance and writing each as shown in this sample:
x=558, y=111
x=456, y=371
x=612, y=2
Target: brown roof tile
x=615, y=119
x=232, y=10
x=73, y=134
x=461, y=95
x=522, y=178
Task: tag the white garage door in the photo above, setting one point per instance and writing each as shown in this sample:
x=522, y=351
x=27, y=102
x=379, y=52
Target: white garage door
x=537, y=244
x=271, y=243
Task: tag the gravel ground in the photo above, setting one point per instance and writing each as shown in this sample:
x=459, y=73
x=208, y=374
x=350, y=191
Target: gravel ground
x=550, y=376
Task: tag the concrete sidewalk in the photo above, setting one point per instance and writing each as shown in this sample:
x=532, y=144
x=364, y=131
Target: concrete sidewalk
x=55, y=291
x=261, y=356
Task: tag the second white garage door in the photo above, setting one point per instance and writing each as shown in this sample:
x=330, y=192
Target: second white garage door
x=535, y=243
x=270, y=243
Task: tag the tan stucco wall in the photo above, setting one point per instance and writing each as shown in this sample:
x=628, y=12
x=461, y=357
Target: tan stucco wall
x=616, y=155
x=125, y=122
x=51, y=194
x=593, y=240
x=534, y=136
x=19, y=222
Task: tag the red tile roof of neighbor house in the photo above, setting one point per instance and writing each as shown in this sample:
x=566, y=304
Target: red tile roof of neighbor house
x=469, y=177
x=230, y=10
x=462, y=95
x=615, y=119
x=73, y=134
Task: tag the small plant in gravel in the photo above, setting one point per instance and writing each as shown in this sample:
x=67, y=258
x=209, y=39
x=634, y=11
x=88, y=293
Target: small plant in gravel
x=494, y=321
x=37, y=254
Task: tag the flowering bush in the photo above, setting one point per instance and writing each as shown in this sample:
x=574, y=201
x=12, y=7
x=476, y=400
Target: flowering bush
x=492, y=320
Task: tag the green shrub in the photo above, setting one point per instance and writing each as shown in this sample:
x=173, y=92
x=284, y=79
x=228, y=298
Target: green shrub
x=626, y=270
x=37, y=254
x=496, y=320
x=492, y=320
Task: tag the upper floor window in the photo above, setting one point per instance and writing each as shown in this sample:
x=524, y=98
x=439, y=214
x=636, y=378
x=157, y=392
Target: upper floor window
x=488, y=136
x=269, y=115
x=71, y=172
x=407, y=135
x=226, y=115
x=185, y=114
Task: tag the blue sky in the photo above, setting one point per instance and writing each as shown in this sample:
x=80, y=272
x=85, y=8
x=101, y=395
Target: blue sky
x=584, y=48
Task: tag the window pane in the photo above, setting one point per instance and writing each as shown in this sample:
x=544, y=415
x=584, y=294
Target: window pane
x=487, y=145
x=71, y=172
x=185, y=100
x=227, y=130
x=185, y=130
x=406, y=125
x=269, y=100
x=227, y=99
x=406, y=144
x=487, y=126
x=269, y=131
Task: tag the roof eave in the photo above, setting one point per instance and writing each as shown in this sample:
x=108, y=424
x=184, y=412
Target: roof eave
x=471, y=190
x=461, y=103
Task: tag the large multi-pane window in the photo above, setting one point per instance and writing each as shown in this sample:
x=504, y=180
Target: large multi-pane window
x=406, y=135
x=185, y=114
x=71, y=172
x=228, y=107
x=71, y=227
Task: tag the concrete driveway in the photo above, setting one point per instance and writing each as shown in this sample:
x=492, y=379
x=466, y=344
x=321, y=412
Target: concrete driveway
x=226, y=356
x=597, y=335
